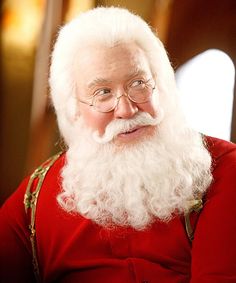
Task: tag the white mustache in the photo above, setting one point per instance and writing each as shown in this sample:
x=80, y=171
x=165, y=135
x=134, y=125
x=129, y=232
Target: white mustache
x=119, y=126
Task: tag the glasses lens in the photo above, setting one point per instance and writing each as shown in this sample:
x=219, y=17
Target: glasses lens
x=141, y=95
x=105, y=102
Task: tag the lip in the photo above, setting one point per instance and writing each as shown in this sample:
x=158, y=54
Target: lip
x=133, y=134
x=131, y=130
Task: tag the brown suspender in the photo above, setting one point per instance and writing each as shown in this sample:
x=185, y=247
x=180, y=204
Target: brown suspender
x=30, y=202
x=194, y=205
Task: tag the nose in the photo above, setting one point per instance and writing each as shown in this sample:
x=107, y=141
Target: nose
x=125, y=108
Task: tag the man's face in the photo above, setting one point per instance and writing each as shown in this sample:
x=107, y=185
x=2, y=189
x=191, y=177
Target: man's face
x=101, y=69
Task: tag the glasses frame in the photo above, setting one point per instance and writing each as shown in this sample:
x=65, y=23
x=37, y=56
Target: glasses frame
x=126, y=94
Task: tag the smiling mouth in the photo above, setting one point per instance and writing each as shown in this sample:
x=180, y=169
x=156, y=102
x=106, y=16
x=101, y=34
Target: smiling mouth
x=131, y=131
x=134, y=134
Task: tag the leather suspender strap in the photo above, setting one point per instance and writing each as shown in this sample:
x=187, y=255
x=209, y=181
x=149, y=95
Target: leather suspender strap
x=195, y=205
x=30, y=203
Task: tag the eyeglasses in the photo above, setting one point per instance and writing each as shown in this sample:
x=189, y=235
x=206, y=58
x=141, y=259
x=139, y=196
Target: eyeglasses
x=105, y=100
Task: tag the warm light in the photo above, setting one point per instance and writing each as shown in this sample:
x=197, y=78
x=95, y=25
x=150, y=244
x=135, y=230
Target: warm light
x=76, y=7
x=21, y=22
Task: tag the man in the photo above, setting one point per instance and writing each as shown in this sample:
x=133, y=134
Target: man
x=138, y=196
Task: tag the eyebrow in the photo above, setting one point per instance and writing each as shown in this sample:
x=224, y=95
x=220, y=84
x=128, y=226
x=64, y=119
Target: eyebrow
x=136, y=72
x=97, y=81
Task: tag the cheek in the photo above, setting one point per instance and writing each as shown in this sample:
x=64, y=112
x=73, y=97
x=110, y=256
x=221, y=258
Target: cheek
x=95, y=120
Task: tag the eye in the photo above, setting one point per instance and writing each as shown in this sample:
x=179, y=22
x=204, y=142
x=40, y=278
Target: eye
x=137, y=83
x=102, y=92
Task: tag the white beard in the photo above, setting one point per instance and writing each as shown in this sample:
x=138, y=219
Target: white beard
x=152, y=179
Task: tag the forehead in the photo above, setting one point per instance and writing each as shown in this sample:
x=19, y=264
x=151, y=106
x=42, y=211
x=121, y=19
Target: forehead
x=110, y=63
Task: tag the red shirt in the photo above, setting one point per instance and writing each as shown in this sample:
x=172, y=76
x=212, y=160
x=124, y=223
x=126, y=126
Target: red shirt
x=73, y=249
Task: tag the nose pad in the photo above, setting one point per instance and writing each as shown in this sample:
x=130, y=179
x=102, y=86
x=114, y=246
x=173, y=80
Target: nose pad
x=125, y=108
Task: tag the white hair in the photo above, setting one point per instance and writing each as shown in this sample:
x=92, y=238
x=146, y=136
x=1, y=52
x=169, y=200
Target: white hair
x=151, y=179
x=107, y=27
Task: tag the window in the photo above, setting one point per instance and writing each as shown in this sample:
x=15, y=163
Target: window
x=206, y=83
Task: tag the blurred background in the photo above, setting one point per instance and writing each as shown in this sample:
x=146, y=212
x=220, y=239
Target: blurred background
x=199, y=35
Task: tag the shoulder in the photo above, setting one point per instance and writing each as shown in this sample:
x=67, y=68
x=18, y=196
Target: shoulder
x=49, y=171
x=220, y=149
x=223, y=167
x=223, y=159
x=13, y=209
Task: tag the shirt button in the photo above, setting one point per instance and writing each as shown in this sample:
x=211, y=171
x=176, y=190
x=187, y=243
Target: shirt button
x=144, y=281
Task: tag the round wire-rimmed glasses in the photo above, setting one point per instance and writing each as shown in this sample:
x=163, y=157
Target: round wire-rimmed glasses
x=105, y=100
